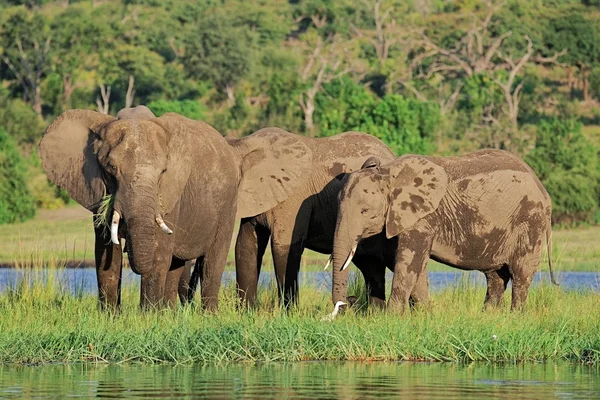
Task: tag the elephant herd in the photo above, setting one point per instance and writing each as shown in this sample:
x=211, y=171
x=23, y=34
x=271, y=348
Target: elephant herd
x=178, y=187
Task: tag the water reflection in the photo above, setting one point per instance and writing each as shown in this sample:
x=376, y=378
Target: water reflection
x=322, y=380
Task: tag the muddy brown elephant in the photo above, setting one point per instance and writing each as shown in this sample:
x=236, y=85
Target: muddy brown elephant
x=484, y=211
x=307, y=217
x=175, y=183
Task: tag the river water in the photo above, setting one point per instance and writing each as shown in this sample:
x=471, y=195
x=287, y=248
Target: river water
x=304, y=380
x=84, y=279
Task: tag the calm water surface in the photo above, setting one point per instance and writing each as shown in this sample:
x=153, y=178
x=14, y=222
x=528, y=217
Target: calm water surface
x=315, y=380
x=84, y=279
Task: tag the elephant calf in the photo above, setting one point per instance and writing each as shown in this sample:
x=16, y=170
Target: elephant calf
x=485, y=211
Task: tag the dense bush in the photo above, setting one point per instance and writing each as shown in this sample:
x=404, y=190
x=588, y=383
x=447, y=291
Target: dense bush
x=189, y=108
x=406, y=125
x=567, y=164
x=16, y=202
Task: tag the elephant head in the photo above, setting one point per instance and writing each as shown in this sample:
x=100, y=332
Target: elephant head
x=393, y=197
x=144, y=162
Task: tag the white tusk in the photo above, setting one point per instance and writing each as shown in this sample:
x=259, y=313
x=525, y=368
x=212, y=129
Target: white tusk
x=114, y=228
x=163, y=226
x=328, y=263
x=349, y=258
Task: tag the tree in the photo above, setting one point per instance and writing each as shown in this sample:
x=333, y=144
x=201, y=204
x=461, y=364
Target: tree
x=217, y=52
x=25, y=44
x=16, y=202
x=327, y=61
x=567, y=164
x=581, y=39
x=78, y=39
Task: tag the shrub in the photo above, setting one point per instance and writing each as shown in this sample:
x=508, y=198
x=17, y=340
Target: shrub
x=406, y=125
x=16, y=202
x=188, y=108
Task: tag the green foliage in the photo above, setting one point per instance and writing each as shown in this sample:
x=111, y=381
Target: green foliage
x=567, y=164
x=241, y=65
x=20, y=121
x=216, y=52
x=595, y=82
x=579, y=36
x=102, y=219
x=188, y=108
x=406, y=125
x=16, y=202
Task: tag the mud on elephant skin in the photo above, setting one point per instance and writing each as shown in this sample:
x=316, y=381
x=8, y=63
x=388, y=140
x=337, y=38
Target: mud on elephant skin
x=306, y=216
x=164, y=175
x=484, y=211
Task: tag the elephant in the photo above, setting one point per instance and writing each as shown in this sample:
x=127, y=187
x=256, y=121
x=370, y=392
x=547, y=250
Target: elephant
x=483, y=211
x=176, y=185
x=307, y=218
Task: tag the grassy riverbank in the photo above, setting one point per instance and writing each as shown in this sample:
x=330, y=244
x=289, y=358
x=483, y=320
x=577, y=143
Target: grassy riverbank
x=40, y=323
x=57, y=236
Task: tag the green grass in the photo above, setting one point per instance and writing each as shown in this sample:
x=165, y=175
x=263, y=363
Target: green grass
x=41, y=323
x=67, y=234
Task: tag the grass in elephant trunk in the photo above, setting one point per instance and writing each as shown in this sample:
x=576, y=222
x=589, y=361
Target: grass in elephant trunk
x=41, y=323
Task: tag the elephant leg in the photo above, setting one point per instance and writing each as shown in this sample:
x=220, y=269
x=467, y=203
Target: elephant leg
x=522, y=271
x=420, y=292
x=183, y=288
x=195, y=278
x=250, y=247
x=497, y=281
x=214, y=264
x=374, y=273
x=172, y=282
x=286, y=259
x=288, y=234
x=410, y=266
x=109, y=265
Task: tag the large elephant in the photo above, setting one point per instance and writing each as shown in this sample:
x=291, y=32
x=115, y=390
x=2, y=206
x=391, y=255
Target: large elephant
x=485, y=211
x=175, y=184
x=307, y=218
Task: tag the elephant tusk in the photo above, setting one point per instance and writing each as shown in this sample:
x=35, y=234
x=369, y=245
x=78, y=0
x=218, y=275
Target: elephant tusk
x=114, y=228
x=163, y=226
x=349, y=258
x=328, y=263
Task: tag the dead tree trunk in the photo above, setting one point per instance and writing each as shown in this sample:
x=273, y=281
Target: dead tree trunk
x=130, y=92
x=104, y=102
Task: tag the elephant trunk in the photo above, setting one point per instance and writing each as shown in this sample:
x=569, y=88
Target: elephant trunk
x=344, y=248
x=141, y=218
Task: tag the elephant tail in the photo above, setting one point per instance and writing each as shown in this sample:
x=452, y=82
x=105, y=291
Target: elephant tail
x=549, y=247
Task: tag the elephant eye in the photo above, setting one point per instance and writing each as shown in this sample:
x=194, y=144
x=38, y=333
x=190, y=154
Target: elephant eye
x=364, y=210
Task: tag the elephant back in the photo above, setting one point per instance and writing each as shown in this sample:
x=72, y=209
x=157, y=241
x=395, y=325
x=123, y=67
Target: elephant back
x=348, y=151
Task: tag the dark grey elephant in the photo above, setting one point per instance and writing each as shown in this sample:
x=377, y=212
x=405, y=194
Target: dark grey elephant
x=485, y=211
x=175, y=183
x=306, y=218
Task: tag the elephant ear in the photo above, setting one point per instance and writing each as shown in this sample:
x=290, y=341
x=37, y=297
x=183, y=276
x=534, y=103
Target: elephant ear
x=273, y=164
x=183, y=137
x=67, y=155
x=417, y=186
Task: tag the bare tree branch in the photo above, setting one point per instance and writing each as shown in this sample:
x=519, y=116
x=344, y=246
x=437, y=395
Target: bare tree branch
x=104, y=102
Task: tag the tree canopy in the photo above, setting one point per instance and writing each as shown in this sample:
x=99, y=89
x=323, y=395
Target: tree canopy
x=425, y=76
